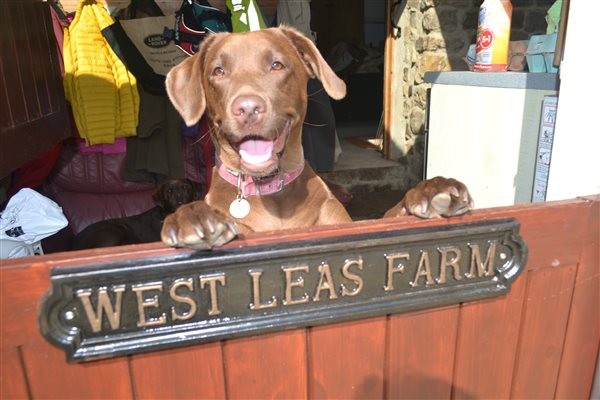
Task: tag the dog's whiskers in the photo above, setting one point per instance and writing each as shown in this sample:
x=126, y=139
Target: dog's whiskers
x=204, y=135
x=316, y=92
x=315, y=125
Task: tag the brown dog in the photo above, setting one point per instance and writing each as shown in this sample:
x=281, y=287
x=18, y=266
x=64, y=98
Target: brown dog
x=253, y=88
x=140, y=228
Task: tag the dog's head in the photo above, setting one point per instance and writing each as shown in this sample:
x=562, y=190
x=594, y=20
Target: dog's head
x=173, y=193
x=253, y=87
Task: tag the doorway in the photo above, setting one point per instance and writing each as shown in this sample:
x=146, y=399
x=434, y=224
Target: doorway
x=351, y=36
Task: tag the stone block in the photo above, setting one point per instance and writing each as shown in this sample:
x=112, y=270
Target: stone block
x=434, y=62
x=432, y=42
x=420, y=95
x=417, y=120
x=448, y=19
x=457, y=43
x=425, y=4
x=431, y=21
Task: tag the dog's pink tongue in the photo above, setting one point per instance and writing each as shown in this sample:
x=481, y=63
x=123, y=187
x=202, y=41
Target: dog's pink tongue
x=256, y=151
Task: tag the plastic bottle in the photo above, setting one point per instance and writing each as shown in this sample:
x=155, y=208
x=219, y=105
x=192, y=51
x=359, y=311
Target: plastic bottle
x=493, y=35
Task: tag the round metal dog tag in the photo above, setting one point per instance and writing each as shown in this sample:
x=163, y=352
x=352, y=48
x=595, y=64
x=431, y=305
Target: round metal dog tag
x=239, y=208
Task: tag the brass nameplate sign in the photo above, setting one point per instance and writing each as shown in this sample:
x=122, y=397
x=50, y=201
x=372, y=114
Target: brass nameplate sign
x=112, y=309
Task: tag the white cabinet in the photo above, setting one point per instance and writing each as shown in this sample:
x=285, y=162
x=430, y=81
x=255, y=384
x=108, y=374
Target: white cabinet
x=483, y=130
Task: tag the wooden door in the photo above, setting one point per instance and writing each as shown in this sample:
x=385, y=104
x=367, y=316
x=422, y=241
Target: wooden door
x=539, y=341
x=34, y=111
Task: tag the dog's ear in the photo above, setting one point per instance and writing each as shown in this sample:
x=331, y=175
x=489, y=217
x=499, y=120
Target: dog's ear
x=316, y=64
x=184, y=85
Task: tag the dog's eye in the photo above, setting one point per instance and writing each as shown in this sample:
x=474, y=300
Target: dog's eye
x=277, y=66
x=218, y=71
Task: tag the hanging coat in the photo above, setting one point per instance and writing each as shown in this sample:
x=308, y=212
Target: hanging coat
x=102, y=92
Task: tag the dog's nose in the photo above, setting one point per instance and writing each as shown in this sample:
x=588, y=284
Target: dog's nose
x=248, y=109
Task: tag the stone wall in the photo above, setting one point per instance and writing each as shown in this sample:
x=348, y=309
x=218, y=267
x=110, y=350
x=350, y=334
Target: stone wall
x=435, y=36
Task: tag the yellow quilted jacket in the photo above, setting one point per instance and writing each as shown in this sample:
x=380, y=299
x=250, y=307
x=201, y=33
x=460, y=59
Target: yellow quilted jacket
x=102, y=92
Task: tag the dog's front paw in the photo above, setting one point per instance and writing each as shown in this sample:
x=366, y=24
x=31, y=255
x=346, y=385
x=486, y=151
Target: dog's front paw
x=197, y=225
x=434, y=198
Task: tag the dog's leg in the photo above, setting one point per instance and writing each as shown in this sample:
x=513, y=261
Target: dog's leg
x=199, y=226
x=434, y=198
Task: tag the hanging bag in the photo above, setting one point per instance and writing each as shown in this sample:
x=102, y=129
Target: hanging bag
x=140, y=44
x=194, y=20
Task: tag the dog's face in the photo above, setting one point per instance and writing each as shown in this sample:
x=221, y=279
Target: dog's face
x=253, y=86
x=175, y=192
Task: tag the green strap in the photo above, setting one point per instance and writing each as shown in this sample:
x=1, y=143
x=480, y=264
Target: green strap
x=245, y=15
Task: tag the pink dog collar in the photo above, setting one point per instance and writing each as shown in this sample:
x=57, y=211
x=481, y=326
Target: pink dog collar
x=250, y=186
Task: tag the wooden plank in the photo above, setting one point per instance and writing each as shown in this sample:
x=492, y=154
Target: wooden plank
x=389, y=76
x=6, y=34
x=268, y=366
x=486, y=345
x=36, y=112
x=347, y=360
x=50, y=376
x=546, y=312
x=528, y=214
x=583, y=334
x=13, y=384
x=559, y=224
x=20, y=291
x=28, y=84
x=188, y=373
x=11, y=67
x=420, y=354
x=42, y=45
x=557, y=235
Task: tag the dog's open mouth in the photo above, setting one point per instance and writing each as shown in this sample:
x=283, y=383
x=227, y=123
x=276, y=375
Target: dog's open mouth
x=261, y=155
x=256, y=151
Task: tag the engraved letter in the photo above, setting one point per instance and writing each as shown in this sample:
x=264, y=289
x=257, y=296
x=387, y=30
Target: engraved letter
x=182, y=299
x=113, y=314
x=142, y=302
x=325, y=282
x=426, y=272
x=212, y=282
x=391, y=268
x=290, y=283
x=487, y=267
x=452, y=263
x=357, y=279
x=256, y=304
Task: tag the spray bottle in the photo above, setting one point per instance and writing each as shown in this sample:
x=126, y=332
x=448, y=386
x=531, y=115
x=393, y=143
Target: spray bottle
x=493, y=35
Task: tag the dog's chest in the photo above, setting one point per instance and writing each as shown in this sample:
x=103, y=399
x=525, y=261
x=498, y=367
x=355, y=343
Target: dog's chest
x=275, y=212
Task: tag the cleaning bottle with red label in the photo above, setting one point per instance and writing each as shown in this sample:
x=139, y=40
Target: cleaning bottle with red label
x=493, y=35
